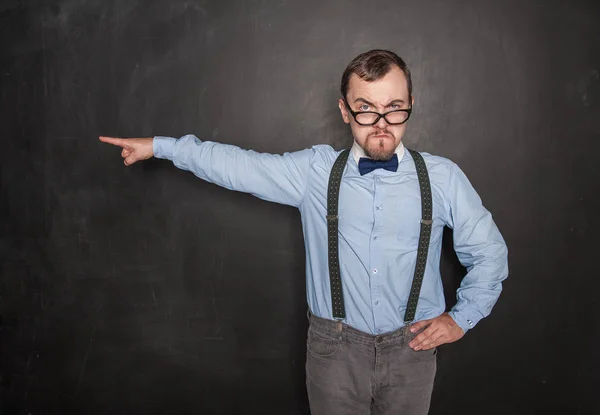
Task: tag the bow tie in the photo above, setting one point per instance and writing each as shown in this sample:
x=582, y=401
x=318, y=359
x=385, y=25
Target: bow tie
x=366, y=165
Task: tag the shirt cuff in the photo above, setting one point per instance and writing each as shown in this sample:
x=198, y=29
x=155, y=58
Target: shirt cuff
x=463, y=319
x=163, y=147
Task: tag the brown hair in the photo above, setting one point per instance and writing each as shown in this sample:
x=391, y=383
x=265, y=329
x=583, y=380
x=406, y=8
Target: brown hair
x=373, y=65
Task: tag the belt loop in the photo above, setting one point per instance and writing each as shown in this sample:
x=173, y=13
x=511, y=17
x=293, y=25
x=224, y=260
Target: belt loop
x=338, y=326
x=407, y=332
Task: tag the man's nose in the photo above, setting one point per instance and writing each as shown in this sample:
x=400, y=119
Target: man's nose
x=381, y=123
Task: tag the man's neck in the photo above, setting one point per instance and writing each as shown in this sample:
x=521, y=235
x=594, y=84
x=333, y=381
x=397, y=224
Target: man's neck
x=358, y=151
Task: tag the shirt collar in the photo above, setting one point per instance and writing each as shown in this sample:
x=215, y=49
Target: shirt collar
x=358, y=152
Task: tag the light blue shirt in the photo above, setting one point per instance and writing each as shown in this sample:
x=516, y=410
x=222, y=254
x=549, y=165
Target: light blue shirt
x=379, y=225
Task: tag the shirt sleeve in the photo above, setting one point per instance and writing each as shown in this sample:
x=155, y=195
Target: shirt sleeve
x=480, y=248
x=273, y=177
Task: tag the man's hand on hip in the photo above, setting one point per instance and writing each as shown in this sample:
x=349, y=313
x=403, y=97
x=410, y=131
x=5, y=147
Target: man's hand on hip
x=442, y=329
x=134, y=149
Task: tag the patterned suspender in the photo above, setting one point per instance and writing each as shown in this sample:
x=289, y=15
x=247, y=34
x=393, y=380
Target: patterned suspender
x=335, y=179
x=333, y=192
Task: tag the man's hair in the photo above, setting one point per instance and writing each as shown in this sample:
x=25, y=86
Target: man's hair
x=373, y=65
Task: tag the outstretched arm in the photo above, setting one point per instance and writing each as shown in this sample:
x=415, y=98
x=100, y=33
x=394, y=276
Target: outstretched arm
x=273, y=177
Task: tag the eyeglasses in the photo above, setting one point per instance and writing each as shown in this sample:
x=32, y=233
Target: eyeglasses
x=395, y=117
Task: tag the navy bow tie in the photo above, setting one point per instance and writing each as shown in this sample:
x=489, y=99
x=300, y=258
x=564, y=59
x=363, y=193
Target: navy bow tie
x=366, y=165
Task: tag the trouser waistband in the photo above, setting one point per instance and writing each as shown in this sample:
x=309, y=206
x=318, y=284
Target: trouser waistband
x=330, y=326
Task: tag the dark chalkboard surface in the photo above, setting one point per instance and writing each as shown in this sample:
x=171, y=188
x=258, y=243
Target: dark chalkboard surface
x=144, y=290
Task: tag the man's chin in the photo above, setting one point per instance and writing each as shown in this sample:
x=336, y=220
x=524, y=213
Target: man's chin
x=380, y=148
x=379, y=153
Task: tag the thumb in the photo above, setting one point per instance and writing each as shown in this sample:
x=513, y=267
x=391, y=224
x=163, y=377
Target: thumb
x=129, y=160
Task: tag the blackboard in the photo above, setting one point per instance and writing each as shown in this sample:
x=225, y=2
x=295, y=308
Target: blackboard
x=144, y=290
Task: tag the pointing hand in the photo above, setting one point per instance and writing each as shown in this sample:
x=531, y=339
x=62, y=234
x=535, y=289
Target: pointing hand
x=134, y=149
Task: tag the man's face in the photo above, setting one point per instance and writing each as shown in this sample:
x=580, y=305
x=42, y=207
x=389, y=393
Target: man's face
x=379, y=141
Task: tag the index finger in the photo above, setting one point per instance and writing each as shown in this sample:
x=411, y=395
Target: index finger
x=115, y=141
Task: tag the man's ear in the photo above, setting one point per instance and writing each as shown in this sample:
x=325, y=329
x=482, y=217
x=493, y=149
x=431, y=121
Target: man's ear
x=344, y=111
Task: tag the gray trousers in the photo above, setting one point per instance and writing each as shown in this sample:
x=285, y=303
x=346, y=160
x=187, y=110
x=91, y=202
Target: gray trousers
x=352, y=372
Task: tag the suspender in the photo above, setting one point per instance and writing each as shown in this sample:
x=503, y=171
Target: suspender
x=426, y=221
x=335, y=179
x=333, y=191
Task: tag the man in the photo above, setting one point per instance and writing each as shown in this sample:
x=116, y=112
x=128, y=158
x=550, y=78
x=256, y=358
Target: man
x=373, y=246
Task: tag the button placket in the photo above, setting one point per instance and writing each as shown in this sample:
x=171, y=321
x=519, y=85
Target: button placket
x=375, y=274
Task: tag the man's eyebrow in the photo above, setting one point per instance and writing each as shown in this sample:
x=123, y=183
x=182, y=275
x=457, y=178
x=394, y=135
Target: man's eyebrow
x=364, y=100
x=396, y=101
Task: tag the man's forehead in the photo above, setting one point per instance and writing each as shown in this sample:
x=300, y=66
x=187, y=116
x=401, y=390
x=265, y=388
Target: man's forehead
x=391, y=86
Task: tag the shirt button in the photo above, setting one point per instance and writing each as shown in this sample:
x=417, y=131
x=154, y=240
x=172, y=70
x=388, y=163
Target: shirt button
x=375, y=238
x=378, y=207
x=376, y=302
x=375, y=271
